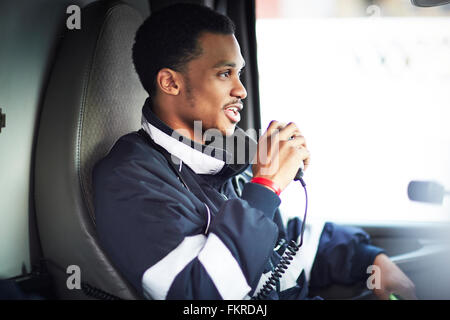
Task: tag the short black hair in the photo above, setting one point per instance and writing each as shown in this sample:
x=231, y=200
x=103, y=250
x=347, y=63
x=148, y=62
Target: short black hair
x=168, y=39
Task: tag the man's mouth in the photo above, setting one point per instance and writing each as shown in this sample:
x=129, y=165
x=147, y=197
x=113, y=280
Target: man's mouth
x=232, y=112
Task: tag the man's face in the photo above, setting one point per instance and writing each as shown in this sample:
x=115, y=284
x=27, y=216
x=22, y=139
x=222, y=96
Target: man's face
x=213, y=90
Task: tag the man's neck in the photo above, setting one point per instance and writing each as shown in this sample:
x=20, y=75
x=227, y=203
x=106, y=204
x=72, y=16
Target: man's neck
x=164, y=112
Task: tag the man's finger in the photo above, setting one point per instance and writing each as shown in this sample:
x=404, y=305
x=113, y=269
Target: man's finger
x=298, y=141
x=274, y=126
x=307, y=162
x=289, y=131
x=381, y=294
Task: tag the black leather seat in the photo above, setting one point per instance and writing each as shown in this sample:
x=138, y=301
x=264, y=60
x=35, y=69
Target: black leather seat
x=93, y=97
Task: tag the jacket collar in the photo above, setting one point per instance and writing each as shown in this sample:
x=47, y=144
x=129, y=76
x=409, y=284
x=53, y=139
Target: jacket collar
x=220, y=155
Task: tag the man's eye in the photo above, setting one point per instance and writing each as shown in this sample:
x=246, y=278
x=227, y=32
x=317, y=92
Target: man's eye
x=225, y=74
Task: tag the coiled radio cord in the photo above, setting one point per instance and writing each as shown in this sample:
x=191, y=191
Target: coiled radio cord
x=286, y=258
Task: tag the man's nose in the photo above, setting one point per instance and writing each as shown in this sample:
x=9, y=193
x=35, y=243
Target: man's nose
x=239, y=90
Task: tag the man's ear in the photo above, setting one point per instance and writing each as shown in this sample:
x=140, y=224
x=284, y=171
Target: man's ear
x=168, y=81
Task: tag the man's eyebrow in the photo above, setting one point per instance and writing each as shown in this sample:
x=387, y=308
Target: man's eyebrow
x=227, y=64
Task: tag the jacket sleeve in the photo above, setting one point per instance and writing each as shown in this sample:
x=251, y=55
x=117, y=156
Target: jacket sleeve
x=331, y=253
x=154, y=233
x=342, y=257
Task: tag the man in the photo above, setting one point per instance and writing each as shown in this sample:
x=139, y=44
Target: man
x=167, y=212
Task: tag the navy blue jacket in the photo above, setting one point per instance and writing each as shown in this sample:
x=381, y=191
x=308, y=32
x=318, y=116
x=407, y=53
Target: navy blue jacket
x=169, y=217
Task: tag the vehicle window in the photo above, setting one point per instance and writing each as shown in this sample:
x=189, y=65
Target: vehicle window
x=368, y=85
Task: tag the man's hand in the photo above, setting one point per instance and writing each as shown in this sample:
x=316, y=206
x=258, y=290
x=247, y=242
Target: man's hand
x=393, y=280
x=281, y=149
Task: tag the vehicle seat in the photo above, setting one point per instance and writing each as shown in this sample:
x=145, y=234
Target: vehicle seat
x=93, y=97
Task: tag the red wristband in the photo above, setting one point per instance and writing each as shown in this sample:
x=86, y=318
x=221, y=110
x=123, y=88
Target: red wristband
x=267, y=183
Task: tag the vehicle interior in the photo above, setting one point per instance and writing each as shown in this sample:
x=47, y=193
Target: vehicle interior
x=68, y=91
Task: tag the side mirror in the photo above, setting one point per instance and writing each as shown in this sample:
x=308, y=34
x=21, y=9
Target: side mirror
x=429, y=3
x=426, y=191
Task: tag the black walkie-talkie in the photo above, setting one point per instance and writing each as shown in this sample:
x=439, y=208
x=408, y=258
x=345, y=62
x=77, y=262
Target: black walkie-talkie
x=299, y=175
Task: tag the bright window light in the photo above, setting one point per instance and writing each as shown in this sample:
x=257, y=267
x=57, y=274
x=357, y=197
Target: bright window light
x=371, y=94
